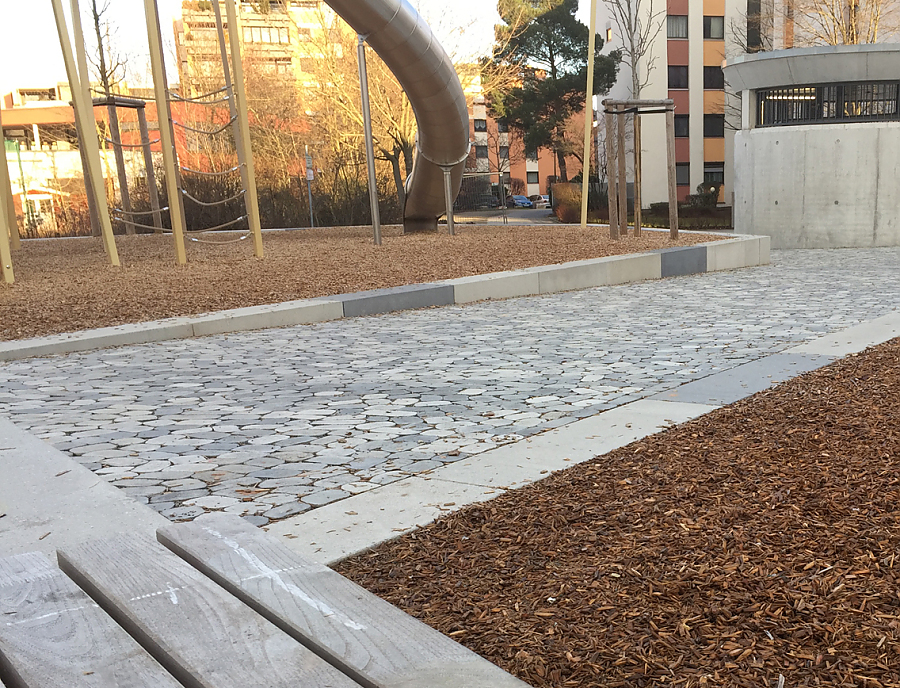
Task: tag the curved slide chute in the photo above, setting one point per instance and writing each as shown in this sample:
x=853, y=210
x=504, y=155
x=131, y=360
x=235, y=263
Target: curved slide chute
x=409, y=49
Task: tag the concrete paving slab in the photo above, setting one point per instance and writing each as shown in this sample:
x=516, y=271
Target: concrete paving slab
x=689, y=260
x=853, y=339
x=49, y=500
x=407, y=297
x=742, y=381
x=261, y=317
x=498, y=285
x=339, y=530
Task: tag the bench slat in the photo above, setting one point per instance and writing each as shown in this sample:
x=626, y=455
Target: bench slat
x=205, y=637
x=52, y=635
x=368, y=638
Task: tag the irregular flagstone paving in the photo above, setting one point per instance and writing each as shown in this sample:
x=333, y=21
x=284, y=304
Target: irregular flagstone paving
x=271, y=423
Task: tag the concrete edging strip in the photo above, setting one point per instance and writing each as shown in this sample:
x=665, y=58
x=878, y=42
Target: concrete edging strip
x=731, y=253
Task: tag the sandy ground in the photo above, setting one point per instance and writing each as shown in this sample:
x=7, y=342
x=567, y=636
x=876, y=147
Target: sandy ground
x=63, y=285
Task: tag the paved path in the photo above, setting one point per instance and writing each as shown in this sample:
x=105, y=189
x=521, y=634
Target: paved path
x=269, y=424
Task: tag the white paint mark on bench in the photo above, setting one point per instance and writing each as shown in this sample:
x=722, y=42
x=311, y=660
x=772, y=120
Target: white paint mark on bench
x=47, y=616
x=272, y=574
x=170, y=591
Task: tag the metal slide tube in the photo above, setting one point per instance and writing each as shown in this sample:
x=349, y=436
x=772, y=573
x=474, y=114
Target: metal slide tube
x=370, y=144
x=406, y=44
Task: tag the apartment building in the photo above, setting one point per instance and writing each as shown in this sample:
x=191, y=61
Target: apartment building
x=278, y=38
x=684, y=63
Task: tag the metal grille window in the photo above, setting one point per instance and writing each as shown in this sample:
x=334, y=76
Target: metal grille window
x=861, y=102
x=677, y=26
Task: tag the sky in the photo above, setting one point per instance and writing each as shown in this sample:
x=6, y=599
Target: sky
x=30, y=54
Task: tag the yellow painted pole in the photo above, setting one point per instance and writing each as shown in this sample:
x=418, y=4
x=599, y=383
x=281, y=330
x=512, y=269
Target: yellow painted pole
x=6, y=199
x=588, y=115
x=166, y=132
x=6, y=230
x=234, y=36
x=84, y=113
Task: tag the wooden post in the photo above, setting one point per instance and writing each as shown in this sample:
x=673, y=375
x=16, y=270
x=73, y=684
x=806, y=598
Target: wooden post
x=637, y=173
x=81, y=59
x=7, y=230
x=6, y=199
x=84, y=113
x=116, y=135
x=611, y=174
x=623, y=179
x=244, y=149
x=588, y=116
x=670, y=164
x=147, y=149
x=166, y=132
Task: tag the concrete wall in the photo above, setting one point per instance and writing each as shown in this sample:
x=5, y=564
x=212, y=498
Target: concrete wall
x=819, y=186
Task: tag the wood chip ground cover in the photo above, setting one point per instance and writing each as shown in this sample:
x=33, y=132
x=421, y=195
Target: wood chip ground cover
x=758, y=541
x=63, y=285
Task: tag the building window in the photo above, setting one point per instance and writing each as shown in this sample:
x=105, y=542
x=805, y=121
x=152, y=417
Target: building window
x=533, y=177
x=682, y=126
x=677, y=26
x=307, y=65
x=713, y=78
x=480, y=124
x=714, y=173
x=481, y=152
x=678, y=77
x=608, y=34
x=683, y=173
x=266, y=34
x=503, y=152
x=502, y=127
x=713, y=126
x=860, y=102
x=714, y=27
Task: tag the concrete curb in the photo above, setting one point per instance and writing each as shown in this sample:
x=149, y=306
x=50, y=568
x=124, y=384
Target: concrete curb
x=734, y=252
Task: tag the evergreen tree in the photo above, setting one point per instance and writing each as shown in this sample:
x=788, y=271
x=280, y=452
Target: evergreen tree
x=548, y=46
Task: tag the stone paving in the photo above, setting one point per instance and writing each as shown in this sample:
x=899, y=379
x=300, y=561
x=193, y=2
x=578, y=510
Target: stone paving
x=269, y=424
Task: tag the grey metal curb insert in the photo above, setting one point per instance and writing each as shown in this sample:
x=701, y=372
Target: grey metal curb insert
x=395, y=299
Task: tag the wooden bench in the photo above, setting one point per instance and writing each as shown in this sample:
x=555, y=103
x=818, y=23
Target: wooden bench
x=218, y=604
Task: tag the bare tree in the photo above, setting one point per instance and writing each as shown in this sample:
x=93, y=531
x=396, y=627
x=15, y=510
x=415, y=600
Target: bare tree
x=639, y=24
x=842, y=22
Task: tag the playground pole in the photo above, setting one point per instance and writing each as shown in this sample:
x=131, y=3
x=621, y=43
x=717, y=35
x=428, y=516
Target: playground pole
x=8, y=225
x=370, y=144
x=84, y=113
x=166, y=132
x=588, y=115
x=245, y=152
x=81, y=58
x=6, y=200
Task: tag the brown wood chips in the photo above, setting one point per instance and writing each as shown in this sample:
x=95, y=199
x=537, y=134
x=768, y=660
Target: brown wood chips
x=759, y=541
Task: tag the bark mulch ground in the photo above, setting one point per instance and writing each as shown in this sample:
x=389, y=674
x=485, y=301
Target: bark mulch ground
x=66, y=284
x=759, y=541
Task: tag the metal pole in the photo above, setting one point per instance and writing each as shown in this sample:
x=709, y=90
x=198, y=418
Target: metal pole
x=84, y=112
x=148, y=167
x=166, y=131
x=81, y=59
x=248, y=174
x=312, y=221
x=588, y=116
x=370, y=144
x=448, y=199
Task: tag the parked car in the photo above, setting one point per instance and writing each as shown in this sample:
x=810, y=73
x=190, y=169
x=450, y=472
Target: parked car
x=539, y=201
x=518, y=202
x=486, y=202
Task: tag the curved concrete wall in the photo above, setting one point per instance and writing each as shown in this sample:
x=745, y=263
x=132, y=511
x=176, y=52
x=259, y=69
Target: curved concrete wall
x=820, y=186
x=816, y=185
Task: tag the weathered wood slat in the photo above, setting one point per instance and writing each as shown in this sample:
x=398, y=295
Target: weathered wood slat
x=205, y=637
x=52, y=635
x=368, y=638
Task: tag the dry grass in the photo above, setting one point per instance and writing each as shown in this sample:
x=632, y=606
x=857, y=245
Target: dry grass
x=65, y=285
